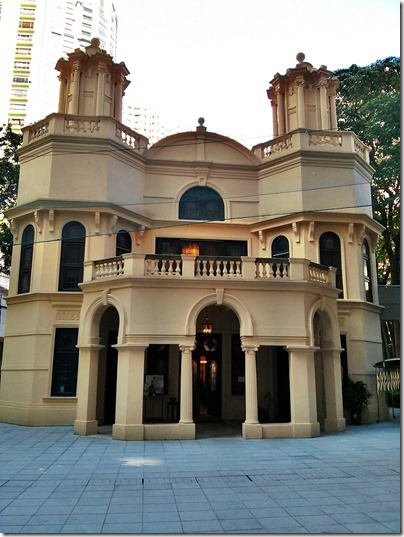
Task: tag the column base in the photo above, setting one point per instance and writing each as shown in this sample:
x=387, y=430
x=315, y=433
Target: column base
x=306, y=430
x=127, y=432
x=252, y=430
x=85, y=427
x=334, y=425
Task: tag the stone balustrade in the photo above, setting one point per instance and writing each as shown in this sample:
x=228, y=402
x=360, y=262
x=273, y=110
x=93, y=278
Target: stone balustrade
x=98, y=127
x=306, y=140
x=206, y=268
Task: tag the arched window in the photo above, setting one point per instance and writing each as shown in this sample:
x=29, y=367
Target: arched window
x=367, y=275
x=280, y=247
x=123, y=243
x=72, y=256
x=27, y=249
x=201, y=203
x=330, y=255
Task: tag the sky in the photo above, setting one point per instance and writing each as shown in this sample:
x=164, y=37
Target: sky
x=215, y=58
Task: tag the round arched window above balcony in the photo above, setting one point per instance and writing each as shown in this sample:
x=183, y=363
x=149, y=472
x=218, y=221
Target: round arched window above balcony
x=201, y=203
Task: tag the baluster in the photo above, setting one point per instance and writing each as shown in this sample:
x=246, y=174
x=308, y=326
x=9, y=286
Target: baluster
x=156, y=266
x=231, y=272
x=177, y=267
x=170, y=266
x=238, y=268
x=204, y=268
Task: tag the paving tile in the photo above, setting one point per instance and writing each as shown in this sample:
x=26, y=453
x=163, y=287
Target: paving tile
x=280, y=524
x=127, y=518
x=122, y=528
x=202, y=526
x=162, y=527
x=197, y=515
x=81, y=528
x=373, y=527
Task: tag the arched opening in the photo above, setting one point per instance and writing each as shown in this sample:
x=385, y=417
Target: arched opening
x=330, y=256
x=27, y=249
x=107, y=367
x=218, y=373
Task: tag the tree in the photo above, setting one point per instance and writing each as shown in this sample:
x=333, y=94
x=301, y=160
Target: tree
x=9, y=173
x=368, y=103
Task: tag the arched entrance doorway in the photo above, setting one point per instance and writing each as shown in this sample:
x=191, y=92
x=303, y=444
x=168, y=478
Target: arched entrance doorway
x=218, y=374
x=107, y=367
x=328, y=373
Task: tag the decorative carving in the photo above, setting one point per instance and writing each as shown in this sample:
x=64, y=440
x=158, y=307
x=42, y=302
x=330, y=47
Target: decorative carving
x=350, y=232
x=311, y=231
x=112, y=223
x=68, y=315
x=38, y=221
x=84, y=125
x=296, y=231
x=361, y=233
x=14, y=229
x=219, y=296
x=97, y=221
x=139, y=236
x=261, y=236
x=51, y=217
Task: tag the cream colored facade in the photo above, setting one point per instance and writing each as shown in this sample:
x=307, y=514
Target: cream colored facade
x=273, y=359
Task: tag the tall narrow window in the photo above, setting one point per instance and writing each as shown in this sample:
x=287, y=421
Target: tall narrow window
x=367, y=271
x=201, y=203
x=72, y=257
x=280, y=247
x=123, y=243
x=330, y=255
x=27, y=249
x=65, y=363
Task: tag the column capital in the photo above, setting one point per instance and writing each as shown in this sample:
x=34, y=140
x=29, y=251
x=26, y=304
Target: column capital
x=185, y=348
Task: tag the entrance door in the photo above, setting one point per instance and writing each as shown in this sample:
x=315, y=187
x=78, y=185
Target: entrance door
x=110, y=379
x=207, y=378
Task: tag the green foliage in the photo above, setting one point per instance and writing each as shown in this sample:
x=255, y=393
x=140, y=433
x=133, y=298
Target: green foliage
x=9, y=173
x=368, y=103
x=356, y=396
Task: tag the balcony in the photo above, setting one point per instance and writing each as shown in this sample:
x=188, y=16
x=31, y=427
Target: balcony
x=98, y=127
x=306, y=140
x=199, y=268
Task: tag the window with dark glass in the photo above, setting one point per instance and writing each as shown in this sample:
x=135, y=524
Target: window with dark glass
x=65, y=363
x=367, y=271
x=123, y=243
x=201, y=203
x=280, y=247
x=72, y=256
x=27, y=249
x=330, y=255
x=157, y=363
x=201, y=247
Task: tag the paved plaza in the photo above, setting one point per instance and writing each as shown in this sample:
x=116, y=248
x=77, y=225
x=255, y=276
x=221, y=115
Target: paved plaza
x=52, y=481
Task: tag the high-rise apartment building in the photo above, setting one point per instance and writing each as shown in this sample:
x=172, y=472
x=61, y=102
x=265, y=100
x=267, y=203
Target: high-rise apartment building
x=145, y=121
x=34, y=34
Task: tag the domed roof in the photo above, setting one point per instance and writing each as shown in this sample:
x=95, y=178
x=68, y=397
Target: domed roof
x=201, y=145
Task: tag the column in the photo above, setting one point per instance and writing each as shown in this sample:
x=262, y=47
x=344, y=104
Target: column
x=333, y=112
x=85, y=422
x=325, y=124
x=99, y=99
x=186, y=425
x=62, y=95
x=274, y=118
x=186, y=385
x=251, y=426
x=75, y=90
x=301, y=113
x=129, y=393
x=281, y=112
x=303, y=404
x=334, y=421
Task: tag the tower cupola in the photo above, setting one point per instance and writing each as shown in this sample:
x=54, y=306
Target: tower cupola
x=91, y=83
x=303, y=98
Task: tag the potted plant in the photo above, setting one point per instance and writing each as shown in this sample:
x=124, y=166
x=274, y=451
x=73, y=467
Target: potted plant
x=356, y=398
